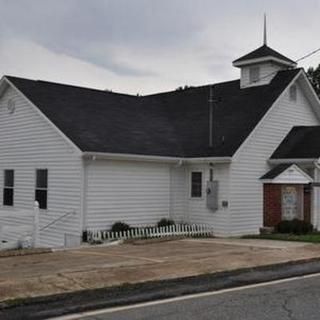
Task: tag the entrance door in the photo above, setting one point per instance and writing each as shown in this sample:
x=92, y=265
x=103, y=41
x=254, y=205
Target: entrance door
x=291, y=202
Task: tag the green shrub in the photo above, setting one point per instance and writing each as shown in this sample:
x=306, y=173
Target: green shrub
x=294, y=226
x=285, y=226
x=120, y=227
x=165, y=223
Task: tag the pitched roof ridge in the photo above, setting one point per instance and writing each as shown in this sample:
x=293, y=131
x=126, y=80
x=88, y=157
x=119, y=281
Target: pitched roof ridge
x=176, y=124
x=265, y=52
x=190, y=88
x=68, y=85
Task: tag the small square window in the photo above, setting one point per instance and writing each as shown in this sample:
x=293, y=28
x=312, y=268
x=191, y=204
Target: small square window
x=196, y=184
x=293, y=93
x=254, y=74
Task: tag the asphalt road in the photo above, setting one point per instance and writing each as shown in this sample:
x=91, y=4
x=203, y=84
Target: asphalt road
x=293, y=300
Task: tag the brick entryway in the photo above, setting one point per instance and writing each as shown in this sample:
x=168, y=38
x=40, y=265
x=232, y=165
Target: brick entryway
x=273, y=202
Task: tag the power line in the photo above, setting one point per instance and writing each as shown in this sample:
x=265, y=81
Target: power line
x=212, y=101
x=308, y=55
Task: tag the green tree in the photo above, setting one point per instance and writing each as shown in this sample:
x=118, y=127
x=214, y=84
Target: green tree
x=314, y=77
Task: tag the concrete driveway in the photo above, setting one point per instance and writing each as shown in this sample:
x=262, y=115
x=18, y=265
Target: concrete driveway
x=102, y=266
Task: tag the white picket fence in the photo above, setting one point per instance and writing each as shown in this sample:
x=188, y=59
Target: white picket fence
x=155, y=232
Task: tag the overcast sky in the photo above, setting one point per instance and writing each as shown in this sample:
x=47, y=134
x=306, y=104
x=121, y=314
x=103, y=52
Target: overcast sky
x=145, y=46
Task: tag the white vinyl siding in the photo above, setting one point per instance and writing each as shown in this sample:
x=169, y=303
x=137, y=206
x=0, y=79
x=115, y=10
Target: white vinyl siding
x=178, y=193
x=250, y=161
x=141, y=193
x=267, y=71
x=197, y=211
x=137, y=193
x=28, y=142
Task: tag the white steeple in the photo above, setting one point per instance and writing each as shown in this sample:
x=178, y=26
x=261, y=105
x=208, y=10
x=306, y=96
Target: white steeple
x=265, y=30
x=260, y=66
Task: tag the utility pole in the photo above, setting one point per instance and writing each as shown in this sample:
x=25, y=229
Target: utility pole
x=211, y=117
x=212, y=102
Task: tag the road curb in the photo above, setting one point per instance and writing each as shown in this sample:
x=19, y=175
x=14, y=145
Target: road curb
x=62, y=304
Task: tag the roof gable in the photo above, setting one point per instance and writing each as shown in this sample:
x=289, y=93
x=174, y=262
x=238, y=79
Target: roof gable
x=264, y=52
x=5, y=84
x=287, y=174
x=172, y=124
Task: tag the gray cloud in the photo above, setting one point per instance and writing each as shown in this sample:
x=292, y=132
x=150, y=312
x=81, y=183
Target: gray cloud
x=73, y=27
x=147, y=45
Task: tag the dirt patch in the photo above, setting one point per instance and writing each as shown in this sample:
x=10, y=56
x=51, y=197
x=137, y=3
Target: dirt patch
x=153, y=240
x=23, y=252
x=106, y=266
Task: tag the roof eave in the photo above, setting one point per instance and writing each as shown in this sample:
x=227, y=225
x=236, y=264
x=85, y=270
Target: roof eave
x=242, y=63
x=292, y=160
x=151, y=158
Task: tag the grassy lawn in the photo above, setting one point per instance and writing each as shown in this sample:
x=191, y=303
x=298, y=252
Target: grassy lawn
x=310, y=237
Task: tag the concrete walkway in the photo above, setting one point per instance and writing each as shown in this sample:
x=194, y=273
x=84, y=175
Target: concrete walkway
x=96, y=267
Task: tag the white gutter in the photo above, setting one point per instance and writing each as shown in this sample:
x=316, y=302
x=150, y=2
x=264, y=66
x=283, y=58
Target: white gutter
x=149, y=158
x=209, y=159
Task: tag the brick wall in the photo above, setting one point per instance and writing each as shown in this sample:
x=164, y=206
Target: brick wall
x=272, y=197
x=271, y=204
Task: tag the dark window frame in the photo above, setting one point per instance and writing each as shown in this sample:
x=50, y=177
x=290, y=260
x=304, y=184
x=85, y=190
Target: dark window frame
x=196, y=186
x=293, y=93
x=41, y=188
x=254, y=74
x=8, y=188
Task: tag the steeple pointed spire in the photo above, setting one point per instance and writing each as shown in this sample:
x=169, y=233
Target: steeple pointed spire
x=265, y=30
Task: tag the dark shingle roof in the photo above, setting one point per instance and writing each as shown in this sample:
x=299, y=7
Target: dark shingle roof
x=167, y=124
x=263, y=51
x=302, y=142
x=274, y=172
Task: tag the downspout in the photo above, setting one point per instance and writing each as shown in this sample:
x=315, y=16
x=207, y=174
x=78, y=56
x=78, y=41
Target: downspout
x=84, y=193
x=315, y=202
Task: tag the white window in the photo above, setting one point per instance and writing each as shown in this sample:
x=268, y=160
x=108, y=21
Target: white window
x=8, y=187
x=41, y=192
x=254, y=74
x=196, y=184
x=293, y=93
